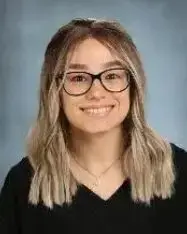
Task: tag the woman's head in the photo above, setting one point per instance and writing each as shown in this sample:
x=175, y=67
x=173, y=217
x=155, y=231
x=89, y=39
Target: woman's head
x=104, y=104
x=92, y=46
x=112, y=78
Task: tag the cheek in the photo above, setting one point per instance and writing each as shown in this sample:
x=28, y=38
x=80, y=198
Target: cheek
x=123, y=102
x=69, y=104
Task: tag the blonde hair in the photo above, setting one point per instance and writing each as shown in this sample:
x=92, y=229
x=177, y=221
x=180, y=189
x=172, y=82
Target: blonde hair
x=147, y=158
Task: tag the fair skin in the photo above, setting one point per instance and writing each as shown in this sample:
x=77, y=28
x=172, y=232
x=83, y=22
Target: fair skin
x=99, y=135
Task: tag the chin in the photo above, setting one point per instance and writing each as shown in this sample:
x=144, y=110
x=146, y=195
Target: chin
x=95, y=131
x=99, y=125
x=99, y=128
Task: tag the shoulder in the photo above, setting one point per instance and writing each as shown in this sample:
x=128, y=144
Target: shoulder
x=180, y=167
x=18, y=178
x=20, y=170
x=168, y=212
x=13, y=195
x=179, y=159
x=178, y=151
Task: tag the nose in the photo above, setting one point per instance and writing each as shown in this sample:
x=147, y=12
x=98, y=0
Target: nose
x=97, y=91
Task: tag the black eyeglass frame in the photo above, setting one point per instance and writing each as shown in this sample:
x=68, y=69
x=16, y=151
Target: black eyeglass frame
x=98, y=76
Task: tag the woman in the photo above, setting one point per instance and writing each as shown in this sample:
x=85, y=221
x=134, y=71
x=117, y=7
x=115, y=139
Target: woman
x=93, y=164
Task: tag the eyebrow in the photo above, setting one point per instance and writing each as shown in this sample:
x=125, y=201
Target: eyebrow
x=106, y=65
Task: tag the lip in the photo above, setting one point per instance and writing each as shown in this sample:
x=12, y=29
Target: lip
x=96, y=107
x=97, y=111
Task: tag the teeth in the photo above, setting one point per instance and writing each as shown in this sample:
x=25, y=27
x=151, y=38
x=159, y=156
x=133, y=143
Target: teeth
x=97, y=111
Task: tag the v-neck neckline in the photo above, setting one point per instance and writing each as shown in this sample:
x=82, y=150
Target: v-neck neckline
x=94, y=196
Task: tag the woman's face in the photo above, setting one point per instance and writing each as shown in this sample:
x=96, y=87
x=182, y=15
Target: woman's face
x=98, y=110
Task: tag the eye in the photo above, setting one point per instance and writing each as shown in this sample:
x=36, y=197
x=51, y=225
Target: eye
x=76, y=77
x=112, y=76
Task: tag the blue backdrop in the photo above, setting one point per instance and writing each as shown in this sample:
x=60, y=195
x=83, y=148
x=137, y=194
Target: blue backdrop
x=158, y=28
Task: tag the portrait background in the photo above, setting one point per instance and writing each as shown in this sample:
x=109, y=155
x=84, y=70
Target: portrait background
x=158, y=28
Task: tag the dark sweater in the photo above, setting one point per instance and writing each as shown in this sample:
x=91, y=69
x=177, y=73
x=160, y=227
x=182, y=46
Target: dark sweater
x=88, y=212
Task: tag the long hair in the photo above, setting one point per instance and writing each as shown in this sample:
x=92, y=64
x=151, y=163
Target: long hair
x=147, y=160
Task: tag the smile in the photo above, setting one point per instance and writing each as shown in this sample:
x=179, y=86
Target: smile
x=100, y=111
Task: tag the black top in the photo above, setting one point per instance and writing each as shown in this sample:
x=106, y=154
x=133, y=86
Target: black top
x=89, y=213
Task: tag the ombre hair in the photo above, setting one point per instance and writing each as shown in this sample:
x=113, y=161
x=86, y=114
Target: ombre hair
x=147, y=159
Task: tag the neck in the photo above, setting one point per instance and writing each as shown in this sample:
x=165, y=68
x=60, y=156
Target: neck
x=97, y=151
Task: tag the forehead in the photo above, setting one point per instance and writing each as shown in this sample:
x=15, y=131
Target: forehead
x=91, y=50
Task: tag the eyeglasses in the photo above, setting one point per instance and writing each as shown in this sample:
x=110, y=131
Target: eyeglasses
x=113, y=80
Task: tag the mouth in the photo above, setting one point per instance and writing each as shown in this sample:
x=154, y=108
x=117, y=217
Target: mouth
x=98, y=111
